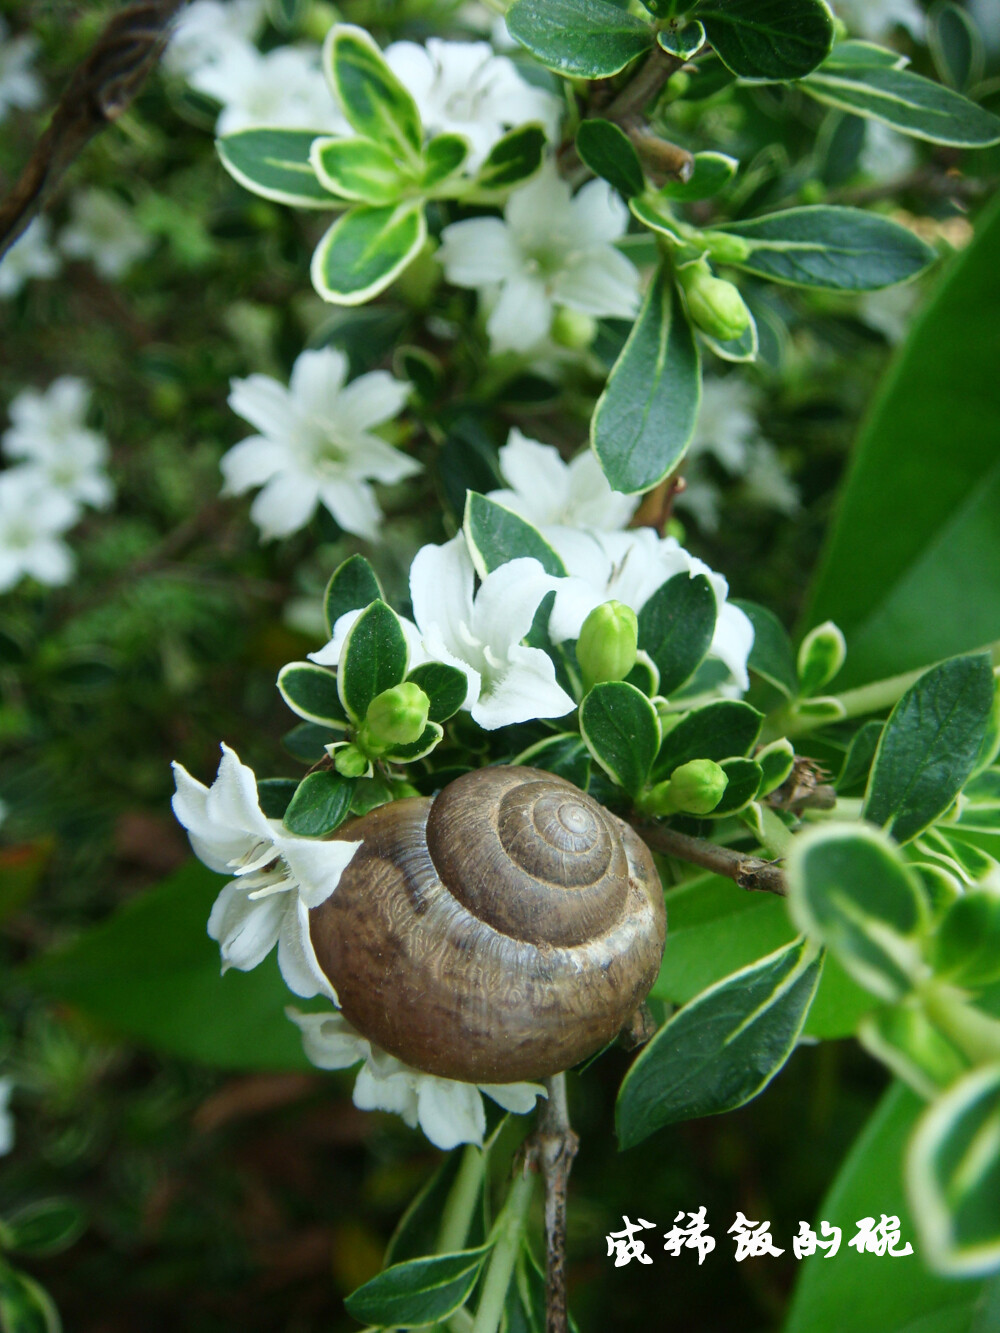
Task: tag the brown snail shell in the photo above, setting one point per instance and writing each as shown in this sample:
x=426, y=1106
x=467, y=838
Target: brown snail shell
x=503, y=930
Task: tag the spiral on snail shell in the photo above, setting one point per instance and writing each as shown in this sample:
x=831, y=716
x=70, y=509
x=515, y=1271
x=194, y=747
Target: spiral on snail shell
x=503, y=930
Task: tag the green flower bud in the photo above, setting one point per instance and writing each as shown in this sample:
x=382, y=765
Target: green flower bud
x=724, y=248
x=350, y=762
x=695, y=788
x=607, y=644
x=397, y=716
x=573, y=329
x=714, y=304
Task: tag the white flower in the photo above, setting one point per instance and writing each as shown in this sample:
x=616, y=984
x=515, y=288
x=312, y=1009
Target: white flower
x=765, y=481
x=279, y=876
x=6, y=1119
x=32, y=519
x=481, y=634
x=550, y=249
x=550, y=493
x=19, y=85
x=206, y=29
x=30, y=256
x=629, y=567
x=284, y=88
x=316, y=445
x=463, y=88
x=102, y=230
x=48, y=433
x=447, y=1111
x=876, y=19
x=727, y=422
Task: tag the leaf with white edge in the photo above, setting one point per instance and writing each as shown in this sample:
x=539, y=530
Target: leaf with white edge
x=321, y=803
x=772, y=656
x=768, y=39
x=682, y=40
x=929, y=745
x=966, y=944
x=743, y=348
x=653, y=211
x=311, y=692
x=905, y=1040
x=622, y=732
x=858, y=760
x=721, y=730
x=47, y=1226
x=406, y=754
x=591, y=38
x=276, y=165
x=608, y=152
x=830, y=247
x=723, y=1048
x=956, y=45
x=712, y=173
x=359, y=170
x=374, y=101
x=496, y=535
x=676, y=626
x=907, y=102
x=776, y=762
x=445, y=687
x=25, y=1306
x=953, y=1176
x=850, y=890
x=512, y=159
x=744, y=779
x=353, y=585
x=849, y=54
x=443, y=156
x=366, y=249
x=418, y=1291
x=645, y=417
x=821, y=655
x=373, y=658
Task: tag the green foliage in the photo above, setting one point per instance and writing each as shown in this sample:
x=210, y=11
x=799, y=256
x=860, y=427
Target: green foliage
x=353, y=585
x=608, y=152
x=496, y=534
x=590, y=38
x=622, y=732
x=418, y=1291
x=676, y=627
x=322, y=802
x=373, y=658
x=366, y=249
x=311, y=692
x=276, y=164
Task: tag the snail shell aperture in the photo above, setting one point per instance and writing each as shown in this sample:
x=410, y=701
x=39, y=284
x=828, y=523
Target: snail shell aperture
x=503, y=930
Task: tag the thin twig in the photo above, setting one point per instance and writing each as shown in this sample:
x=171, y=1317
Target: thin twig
x=749, y=872
x=99, y=91
x=552, y=1149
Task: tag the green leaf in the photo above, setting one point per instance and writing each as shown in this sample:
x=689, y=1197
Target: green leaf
x=723, y=1048
x=904, y=1039
x=311, y=692
x=275, y=164
x=953, y=1176
x=373, y=658
x=358, y=169
x=622, y=732
x=443, y=156
x=418, y=1291
x=956, y=45
x=772, y=656
x=418, y=749
x=720, y=730
x=858, y=760
x=25, y=1307
x=966, y=944
x=512, y=159
x=151, y=973
x=745, y=777
x=833, y=248
x=743, y=348
x=46, y=1227
x=353, y=585
x=850, y=890
x=321, y=803
x=930, y=745
x=930, y=586
x=366, y=249
x=676, y=626
x=646, y=415
x=374, y=101
x=607, y=151
x=496, y=535
x=274, y=795
x=654, y=211
x=592, y=38
x=910, y=104
x=768, y=39
x=712, y=173
x=564, y=755
x=308, y=741
x=445, y=686
x=776, y=763
x=684, y=40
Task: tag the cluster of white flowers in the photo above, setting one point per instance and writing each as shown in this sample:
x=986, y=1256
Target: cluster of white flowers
x=31, y=256
x=59, y=469
x=19, y=85
x=101, y=228
x=278, y=878
x=316, y=445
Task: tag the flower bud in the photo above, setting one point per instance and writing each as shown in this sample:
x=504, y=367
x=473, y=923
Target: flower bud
x=714, y=304
x=724, y=247
x=350, y=762
x=397, y=716
x=607, y=644
x=573, y=329
x=695, y=788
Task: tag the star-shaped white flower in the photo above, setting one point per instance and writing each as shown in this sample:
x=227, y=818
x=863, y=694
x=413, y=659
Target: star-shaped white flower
x=48, y=432
x=481, y=632
x=316, y=445
x=447, y=1111
x=19, y=85
x=283, y=88
x=550, y=249
x=463, y=88
x=205, y=30
x=30, y=256
x=550, y=493
x=103, y=230
x=629, y=567
x=33, y=517
x=279, y=877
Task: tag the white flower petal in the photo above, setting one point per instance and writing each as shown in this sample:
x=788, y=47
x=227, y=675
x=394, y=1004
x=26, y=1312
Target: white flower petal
x=246, y=931
x=450, y=1113
x=329, y=1041
x=317, y=382
x=521, y=316
x=353, y=505
x=285, y=505
x=523, y=689
x=478, y=251
x=371, y=399
x=600, y=282
x=507, y=600
x=296, y=956
x=518, y=1098
x=598, y=213
x=316, y=864
x=441, y=583
x=250, y=463
x=389, y=1092
x=263, y=402
x=232, y=801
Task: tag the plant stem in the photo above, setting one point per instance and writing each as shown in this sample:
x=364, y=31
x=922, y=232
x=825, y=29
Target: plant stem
x=555, y=1147
x=461, y=1203
x=508, y=1230
x=749, y=872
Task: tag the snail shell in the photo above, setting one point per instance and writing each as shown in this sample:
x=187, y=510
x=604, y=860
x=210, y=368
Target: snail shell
x=503, y=930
